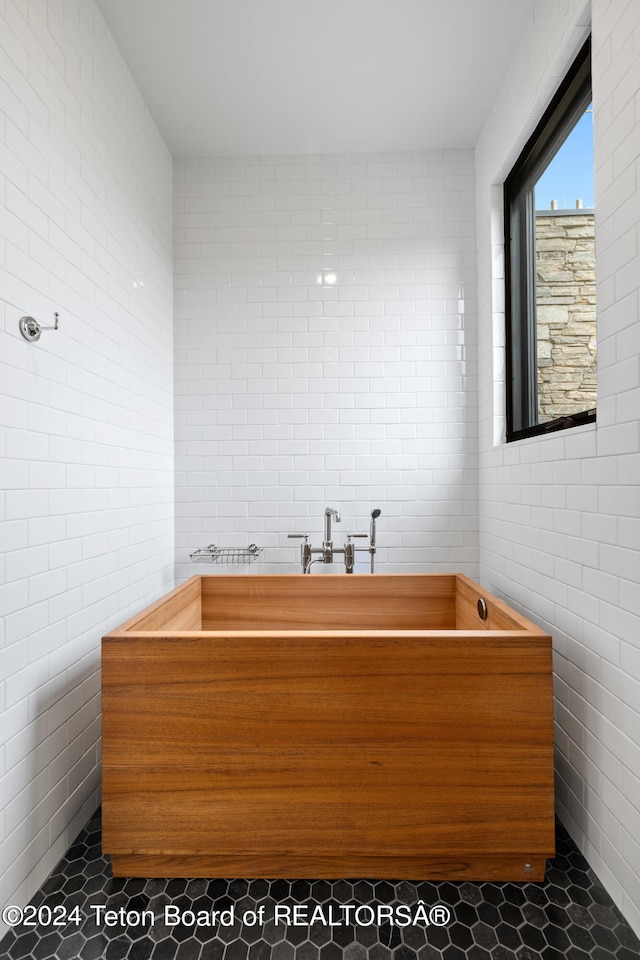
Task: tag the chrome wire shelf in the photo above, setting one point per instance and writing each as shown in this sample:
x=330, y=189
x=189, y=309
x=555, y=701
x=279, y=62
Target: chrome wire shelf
x=214, y=554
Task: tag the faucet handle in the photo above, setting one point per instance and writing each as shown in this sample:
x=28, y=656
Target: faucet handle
x=297, y=536
x=352, y=536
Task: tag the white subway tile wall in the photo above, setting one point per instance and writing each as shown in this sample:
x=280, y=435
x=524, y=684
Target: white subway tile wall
x=560, y=515
x=325, y=355
x=86, y=508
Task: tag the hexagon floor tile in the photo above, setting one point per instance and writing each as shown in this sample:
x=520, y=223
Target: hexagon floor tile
x=81, y=913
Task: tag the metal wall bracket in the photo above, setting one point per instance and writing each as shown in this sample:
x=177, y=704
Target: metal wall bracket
x=31, y=329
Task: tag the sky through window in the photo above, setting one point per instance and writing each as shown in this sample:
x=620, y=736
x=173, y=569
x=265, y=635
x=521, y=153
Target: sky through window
x=569, y=176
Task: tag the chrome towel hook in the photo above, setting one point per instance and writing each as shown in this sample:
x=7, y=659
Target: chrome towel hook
x=31, y=329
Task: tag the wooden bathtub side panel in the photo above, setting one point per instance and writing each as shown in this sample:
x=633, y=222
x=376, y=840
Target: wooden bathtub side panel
x=500, y=615
x=328, y=602
x=303, y=751
x=178, y=610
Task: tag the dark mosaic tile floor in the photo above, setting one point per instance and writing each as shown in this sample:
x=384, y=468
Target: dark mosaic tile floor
x=81, y=912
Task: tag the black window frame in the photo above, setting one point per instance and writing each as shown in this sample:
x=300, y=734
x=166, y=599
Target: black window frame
x=568, y=104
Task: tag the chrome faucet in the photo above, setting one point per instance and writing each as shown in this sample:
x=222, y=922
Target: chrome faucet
x=327, y=550
x=327, y=546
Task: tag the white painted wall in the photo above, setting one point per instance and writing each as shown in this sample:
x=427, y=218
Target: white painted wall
x=560, y=515
x=86, y=508
x=291, y=395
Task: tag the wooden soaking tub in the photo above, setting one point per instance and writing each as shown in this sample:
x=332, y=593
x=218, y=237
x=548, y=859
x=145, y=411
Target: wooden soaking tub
x=323, y=727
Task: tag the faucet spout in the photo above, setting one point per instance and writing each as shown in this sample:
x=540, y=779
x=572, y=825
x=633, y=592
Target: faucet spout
x=328, y=514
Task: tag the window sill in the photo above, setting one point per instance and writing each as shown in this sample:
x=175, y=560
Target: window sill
x=562, y=423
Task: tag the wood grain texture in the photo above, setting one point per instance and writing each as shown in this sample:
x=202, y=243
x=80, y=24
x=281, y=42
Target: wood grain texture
x=329, y=602
x=326, y=867
x=317, y=753
x=178, y=610
x=500, y=616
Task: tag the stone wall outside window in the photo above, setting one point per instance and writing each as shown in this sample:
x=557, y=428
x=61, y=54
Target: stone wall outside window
x=566, y=312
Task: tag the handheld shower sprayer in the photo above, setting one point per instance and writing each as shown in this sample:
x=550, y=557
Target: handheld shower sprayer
x=372, y=534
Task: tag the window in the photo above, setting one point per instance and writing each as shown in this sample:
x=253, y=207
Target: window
x=550, y=267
